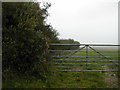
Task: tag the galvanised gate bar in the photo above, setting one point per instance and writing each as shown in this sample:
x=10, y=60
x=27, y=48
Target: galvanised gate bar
x=88, y=57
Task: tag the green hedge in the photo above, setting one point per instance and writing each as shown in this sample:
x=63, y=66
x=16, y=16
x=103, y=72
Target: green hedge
x=25, y=38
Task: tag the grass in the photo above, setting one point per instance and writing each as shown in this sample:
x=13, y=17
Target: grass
x=69, y=79
x=13, y=80
x=77, y=80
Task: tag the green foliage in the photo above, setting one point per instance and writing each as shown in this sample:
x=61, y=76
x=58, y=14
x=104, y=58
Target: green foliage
x=23, y=82
x=25, y=38
x=68, y=47
x=69, y=41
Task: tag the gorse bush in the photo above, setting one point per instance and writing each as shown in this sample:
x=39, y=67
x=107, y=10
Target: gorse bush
x=25, y=38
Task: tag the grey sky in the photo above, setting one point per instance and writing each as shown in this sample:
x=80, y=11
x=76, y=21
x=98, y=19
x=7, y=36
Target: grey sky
x=87, y=21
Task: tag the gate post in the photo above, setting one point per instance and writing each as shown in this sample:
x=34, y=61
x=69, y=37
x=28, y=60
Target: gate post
x=86, y=54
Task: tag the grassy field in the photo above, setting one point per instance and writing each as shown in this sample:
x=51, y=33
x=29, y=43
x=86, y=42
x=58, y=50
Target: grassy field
x=59, y=79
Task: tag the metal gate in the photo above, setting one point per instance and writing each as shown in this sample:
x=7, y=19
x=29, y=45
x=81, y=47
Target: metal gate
x=88, y=57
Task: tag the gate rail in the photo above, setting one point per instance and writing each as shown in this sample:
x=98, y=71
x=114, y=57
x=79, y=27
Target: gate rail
x=110, y=63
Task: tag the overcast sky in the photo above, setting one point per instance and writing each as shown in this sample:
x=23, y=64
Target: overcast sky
x=86, y=21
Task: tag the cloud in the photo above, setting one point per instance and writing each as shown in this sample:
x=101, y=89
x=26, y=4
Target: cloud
x=93, y=21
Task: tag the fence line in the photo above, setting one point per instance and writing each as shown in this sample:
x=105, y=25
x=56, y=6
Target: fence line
x=58, y=44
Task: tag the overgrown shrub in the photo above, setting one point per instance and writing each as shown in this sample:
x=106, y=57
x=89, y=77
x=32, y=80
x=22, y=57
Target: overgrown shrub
x=25, y=38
